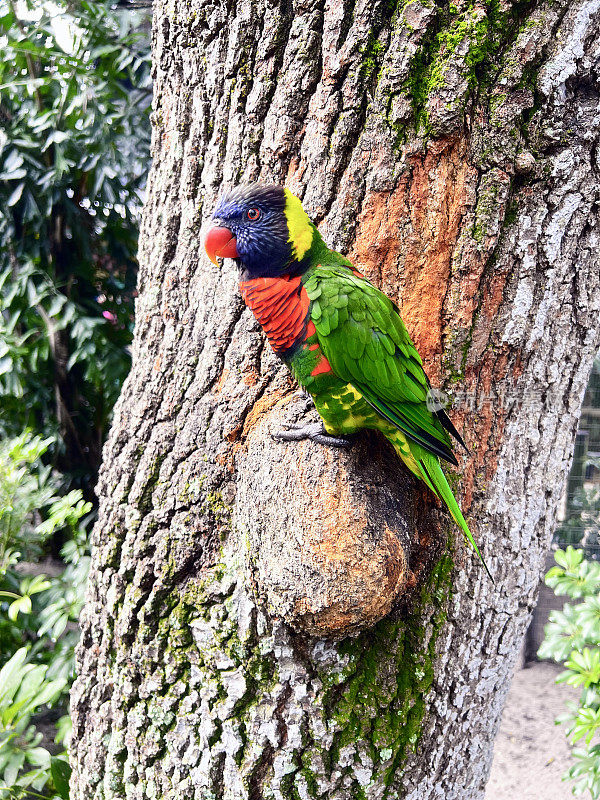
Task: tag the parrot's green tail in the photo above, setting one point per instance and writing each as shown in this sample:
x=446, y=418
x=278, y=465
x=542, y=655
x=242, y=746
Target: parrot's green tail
x=434, y=477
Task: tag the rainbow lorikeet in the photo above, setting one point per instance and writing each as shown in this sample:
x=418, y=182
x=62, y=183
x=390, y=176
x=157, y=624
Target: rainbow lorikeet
x=342, y=338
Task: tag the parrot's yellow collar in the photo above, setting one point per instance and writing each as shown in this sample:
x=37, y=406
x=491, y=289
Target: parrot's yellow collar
x=299, y=225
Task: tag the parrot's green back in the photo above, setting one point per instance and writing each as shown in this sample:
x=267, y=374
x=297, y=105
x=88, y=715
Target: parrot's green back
x=363, y=371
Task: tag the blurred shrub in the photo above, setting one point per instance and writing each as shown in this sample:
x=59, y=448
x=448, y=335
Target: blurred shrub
x=34, y=609
x=25, y=766
x=573, y=639
x=74, y=141
x=38, y=615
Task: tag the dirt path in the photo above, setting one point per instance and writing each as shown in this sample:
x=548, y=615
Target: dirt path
x=531, y=752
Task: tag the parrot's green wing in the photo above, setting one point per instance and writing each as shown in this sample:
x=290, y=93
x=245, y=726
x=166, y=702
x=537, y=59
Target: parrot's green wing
x=366, y=343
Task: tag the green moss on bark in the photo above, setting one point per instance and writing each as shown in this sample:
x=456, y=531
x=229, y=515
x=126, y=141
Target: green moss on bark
x=472, y=40
x=390, y=671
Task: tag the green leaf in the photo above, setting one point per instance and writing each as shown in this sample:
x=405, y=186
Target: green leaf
x=37, y=584
x=39, y=757
x=15, y=196
x=13, y=767
x=586, y=723
x=50, y=692
x=61, y=775
x=11, y=675
x=569, y=559
x=23, y=605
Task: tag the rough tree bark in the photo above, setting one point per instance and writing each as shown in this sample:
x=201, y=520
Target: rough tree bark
x=451, y=150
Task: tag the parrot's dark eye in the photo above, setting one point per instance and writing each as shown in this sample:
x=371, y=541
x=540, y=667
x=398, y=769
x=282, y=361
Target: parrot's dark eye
x=253, y=214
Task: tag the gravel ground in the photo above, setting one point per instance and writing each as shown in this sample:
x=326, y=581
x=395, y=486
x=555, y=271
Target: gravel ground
x=531, y=752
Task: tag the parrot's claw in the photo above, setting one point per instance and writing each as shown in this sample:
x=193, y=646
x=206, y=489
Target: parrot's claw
x=313, y=431
x=303, y=400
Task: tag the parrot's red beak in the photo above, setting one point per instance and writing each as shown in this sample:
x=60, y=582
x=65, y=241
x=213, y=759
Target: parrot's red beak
x=220, y=243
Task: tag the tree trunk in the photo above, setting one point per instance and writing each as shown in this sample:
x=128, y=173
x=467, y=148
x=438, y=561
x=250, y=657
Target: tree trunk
x=451, y=151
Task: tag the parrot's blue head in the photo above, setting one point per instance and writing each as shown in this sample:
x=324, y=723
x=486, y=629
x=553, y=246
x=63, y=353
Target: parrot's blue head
x=264, y=228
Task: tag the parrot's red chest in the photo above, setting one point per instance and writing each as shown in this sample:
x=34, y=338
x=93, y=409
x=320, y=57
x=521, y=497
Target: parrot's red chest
x=281, y=306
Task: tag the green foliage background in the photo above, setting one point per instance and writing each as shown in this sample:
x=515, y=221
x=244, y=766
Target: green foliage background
x=572, y=638
x=74, y=140
x=75, y=95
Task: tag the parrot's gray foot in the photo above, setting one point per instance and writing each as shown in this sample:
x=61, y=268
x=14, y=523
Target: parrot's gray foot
x=313, y=431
